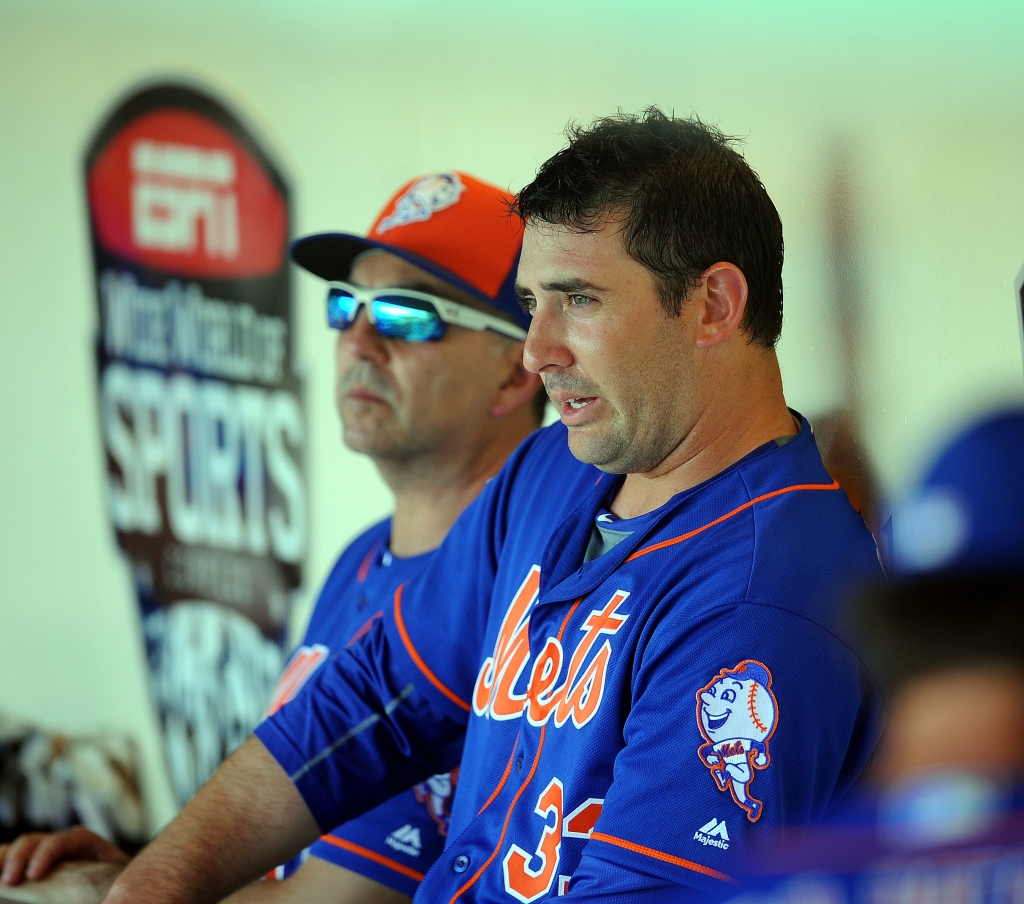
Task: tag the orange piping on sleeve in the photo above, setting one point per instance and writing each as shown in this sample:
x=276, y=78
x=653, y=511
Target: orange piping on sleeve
x=418, y=660
x=659, y=855
x=374, y=856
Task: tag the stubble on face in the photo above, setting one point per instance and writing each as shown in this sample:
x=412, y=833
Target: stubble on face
x=628, y=353
x=409, y=403
x=646, y=421
x=369, y=425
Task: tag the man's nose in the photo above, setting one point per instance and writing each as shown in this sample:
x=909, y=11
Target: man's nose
x=362, y=341
x=545, y=347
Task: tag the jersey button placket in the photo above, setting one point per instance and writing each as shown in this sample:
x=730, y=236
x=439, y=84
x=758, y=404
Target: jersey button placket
x=519, y=763
x=461, y=864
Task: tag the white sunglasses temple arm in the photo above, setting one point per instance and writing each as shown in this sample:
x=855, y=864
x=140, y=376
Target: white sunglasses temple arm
x=461, y=315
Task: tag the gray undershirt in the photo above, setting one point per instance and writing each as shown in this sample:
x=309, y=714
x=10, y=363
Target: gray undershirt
x=605, y=539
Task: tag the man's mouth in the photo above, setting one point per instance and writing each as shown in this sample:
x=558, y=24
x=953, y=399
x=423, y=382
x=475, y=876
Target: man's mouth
x=573, y=409
x=363, y=394
x=716, y=722
x=577, y=404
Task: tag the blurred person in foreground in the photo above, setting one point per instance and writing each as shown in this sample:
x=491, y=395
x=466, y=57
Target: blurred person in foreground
x=634, y=627
x=432, y=388
x=943, y=818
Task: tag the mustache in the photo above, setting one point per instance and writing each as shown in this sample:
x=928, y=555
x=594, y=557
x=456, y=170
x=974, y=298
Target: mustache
x=366, y=373
x=569, y=385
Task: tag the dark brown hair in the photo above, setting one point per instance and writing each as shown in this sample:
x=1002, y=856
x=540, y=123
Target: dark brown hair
x=689, y=200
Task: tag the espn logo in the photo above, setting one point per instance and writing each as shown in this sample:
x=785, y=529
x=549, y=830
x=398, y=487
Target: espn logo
x=179, y=191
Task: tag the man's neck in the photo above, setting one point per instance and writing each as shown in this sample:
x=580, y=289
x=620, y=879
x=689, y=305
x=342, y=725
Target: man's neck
x=725, y=431
x=433, y=490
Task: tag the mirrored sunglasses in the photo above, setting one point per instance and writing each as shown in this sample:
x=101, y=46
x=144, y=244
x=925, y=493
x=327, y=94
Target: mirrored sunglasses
x=408, y=314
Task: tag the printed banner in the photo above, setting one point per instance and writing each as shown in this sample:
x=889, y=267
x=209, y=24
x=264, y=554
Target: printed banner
x=201, y=409
x=1019, y=286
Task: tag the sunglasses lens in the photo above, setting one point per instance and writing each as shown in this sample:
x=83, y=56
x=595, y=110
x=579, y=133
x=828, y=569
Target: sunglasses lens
x=341, y=308
x=398, y=317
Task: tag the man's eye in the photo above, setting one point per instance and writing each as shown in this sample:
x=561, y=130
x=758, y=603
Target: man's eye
x=578, y=301
x=528, y=304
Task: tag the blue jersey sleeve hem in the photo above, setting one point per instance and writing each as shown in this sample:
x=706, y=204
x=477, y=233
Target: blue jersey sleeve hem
x=292, y=761
x=369, y=863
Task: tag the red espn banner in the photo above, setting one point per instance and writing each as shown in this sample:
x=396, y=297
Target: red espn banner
x=200, y=408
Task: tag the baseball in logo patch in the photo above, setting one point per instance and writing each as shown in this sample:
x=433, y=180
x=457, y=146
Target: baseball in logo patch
x=737, y=714
x=422, y=200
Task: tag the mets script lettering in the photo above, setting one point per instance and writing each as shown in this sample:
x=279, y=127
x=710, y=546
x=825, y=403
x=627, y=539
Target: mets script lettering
x=578, y=696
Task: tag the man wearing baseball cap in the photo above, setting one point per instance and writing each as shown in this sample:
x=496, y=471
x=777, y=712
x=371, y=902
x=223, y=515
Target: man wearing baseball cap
x=630, y=640
x=431, y=386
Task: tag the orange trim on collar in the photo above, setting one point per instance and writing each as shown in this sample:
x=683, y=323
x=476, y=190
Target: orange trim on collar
x=693, y=533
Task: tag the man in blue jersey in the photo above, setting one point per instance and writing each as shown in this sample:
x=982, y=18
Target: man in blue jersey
x=437, y=399
x=630, y=639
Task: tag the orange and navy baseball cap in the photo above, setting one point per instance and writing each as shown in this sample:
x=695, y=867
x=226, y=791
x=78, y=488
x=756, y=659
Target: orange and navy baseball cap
x=451, y=224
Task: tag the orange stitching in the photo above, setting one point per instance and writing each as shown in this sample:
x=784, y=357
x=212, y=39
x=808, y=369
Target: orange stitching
x=693, y=533
x=504, y=778
x=420, y=664
x=364, y=568
x=365, y=629
x=659, y=855
x=751, y=694
x=522, y=788
x=374, y=856
x=565, y=621
x=508, y=816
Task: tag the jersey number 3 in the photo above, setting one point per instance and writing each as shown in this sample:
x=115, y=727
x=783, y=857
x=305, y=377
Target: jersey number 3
x=522, y=881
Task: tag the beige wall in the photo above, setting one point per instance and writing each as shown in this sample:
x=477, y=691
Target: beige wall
x=917, y=111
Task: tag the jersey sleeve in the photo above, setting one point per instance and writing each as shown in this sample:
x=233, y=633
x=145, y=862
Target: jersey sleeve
x=437, y=622
x=734, y=701
x=396, y=843
x=390, y=711
x=359, y=733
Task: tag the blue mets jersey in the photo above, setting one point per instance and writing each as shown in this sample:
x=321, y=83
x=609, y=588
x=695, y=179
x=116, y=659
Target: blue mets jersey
x=627, y=725
x=396, y=842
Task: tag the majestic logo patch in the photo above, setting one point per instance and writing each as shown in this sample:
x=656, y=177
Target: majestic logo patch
x=407, y=840
x=422, y=200
x=714, y=833
x=737, y=714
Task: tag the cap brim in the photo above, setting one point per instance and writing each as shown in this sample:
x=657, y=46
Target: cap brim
x=329, y=255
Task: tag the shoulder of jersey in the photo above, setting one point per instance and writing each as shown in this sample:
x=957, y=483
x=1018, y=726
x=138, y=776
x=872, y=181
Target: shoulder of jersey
x=352, y=556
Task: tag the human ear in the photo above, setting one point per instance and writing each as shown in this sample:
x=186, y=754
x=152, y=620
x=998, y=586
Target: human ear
x=723, y=297
x=518, y=386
